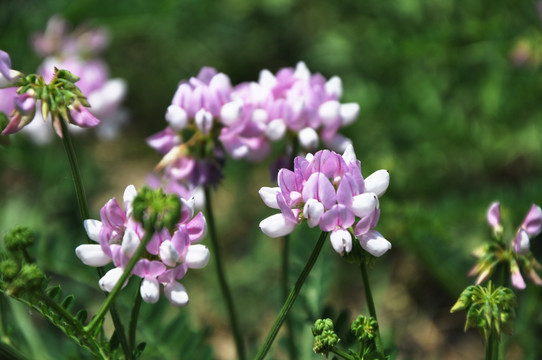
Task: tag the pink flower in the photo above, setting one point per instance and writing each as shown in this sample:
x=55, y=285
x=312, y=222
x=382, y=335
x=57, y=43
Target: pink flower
x=118, y=237
x=328, y=191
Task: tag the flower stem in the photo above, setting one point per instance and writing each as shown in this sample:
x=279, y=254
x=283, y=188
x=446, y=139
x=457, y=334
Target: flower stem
x=292, y=297
x=83, y=209
x=371, y=305
x=489, y=347
x=133, y=319
x=285, y=291
x=226, y=293
x=97, y=319
x=342, y=354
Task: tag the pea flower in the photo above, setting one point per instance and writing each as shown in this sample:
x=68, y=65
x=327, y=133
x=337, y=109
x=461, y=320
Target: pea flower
x=8, y=76
x=515, y=254
x=329, y=191
x=168, y=255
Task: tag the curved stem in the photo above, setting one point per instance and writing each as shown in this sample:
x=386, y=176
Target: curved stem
x=83, y=209
x=133, y=319
x=291, y=298
x=342, y=354
x=371, y=305
x=226, y=293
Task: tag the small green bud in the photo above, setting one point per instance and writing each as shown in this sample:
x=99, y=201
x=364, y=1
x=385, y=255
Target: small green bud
x=364, y=328
x=29, y=279
x=322, y=325
x=157, y=210
x=325, y=342
x=65, y=74
x=19, y=238
x=9, y=269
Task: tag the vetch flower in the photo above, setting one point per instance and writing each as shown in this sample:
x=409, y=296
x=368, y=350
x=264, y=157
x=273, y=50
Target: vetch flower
x=167, y=257
x=515, y=255
x=8, y=76
x=328, y=191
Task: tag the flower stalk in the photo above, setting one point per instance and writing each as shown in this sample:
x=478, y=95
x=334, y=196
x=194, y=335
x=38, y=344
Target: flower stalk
x=292, y=297
x=371, y=305
x=224, y=287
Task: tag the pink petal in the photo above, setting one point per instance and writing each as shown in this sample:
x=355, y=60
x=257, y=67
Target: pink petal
x=318, y=187
x=197, y=228
x=533, y=221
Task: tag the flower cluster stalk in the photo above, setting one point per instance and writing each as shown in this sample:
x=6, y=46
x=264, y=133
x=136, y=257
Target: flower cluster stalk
x=371, y=305
x=292, y=297
x=224, y=287
x=83, y=209
x=134, y=316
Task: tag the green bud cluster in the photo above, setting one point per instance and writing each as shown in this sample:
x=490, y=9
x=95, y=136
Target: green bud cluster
x=325, y=338
x=489, y=310
x=364, y=328
x=156, y=210
x=19, y=238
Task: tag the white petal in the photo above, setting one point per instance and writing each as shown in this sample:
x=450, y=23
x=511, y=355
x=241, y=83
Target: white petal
x=267, y=79
x=275, y=129
x=302, y=71
x=204, y=121
x=168, y=253
x=176, y=294
x=176, y=117
x=313, y=211
x=349, y=113
x=334, y=87
x=378, y=182
x=341, y=240
x=329, y=112
x=150, y=290
x=92, y=255
x=231, y=112
x=260, y=115
x=197, y=256
x=364, y=204
x=308, y=138
x=110, y=279
x=130, y=242
x=349, y=154
x=128, y=197
x=276, y=226
x=93, y=228
x=374, y=243
x=269, y=196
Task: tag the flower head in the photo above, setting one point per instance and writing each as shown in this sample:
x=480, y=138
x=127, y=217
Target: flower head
x=171, y=251
x=328, y=191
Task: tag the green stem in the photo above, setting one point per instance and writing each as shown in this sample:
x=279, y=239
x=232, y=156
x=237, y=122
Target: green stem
x=291, y=298
x=226, y=293
x=489, y=347
x=10, y=353
x=371, y=305
x=83, y=209
x=342, y=354
x=133, y=319
x=285, y=291
x=97, y=319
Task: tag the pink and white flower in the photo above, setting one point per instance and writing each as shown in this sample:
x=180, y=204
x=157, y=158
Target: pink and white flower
x=328, y=191
x=168, y=255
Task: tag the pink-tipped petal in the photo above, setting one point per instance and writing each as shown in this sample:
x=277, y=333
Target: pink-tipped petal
x=533, y=221
x=197, y=228
x=522, y=243
x=494, y=215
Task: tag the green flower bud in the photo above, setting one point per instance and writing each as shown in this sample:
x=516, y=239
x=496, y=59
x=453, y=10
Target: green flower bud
x=19, y=238
x=65, y=74
x=325, y=342
x=364, y=328
x=322, y=325
x=154, y=209
x=9, y=269
x=29, y=279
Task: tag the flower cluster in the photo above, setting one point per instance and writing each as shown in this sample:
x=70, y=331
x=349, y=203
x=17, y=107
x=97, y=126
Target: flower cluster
x=78, y=53
x=328, y=191
x=168, y=254
x=207, y=113
x=515, y=254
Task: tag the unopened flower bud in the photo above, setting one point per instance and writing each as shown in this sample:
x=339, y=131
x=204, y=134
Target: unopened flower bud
x=19, y=238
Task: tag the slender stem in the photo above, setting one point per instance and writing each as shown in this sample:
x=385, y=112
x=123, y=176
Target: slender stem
x=226, y=293
x=83, y=209
x=96, y=320
x=489, y=347
x=285, y=291
x=291, y=298
x=342, y=354
x=133, y=319
x=371, y=305
x=8, y=352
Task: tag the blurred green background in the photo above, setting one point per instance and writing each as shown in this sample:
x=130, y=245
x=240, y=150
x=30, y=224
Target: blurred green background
x=450, y=103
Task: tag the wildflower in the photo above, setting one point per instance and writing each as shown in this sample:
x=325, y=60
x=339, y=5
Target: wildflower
x=516, y=254
x=168, y=255
x=328, y=191
x=8, y=76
